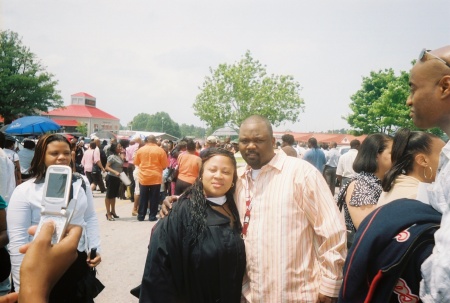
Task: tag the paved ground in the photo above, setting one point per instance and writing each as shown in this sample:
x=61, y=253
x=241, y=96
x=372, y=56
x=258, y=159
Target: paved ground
x=124, y=249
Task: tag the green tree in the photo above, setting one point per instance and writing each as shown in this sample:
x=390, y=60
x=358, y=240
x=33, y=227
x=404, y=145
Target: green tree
x=82, y=128
x=380, y=104
x=158, y=122
x=140, y=122
x=192, y=130
x=233, y=92
x=25, y=87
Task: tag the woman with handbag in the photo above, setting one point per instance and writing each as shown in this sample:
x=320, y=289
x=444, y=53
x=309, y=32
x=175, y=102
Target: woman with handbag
x=25, y=210
x=114, y=166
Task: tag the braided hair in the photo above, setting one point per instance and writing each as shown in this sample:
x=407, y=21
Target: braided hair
x=197, y=200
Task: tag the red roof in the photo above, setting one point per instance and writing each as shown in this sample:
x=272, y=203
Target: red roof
x=81, y=111
x=82, y=94
x=340, y=139
x=66, y=122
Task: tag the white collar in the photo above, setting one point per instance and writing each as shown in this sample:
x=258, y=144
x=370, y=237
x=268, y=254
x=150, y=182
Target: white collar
x=217, y=200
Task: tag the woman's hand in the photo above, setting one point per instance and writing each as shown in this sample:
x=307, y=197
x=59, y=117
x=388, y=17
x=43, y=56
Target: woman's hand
x=94, y=262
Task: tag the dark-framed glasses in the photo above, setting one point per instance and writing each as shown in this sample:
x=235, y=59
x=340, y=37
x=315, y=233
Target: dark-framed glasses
x=425, y=52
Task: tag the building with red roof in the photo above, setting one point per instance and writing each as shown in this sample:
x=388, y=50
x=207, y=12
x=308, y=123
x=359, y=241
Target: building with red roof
x=340, y=139
x=83, y=109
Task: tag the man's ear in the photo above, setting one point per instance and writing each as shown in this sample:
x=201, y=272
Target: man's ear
x=445, y=86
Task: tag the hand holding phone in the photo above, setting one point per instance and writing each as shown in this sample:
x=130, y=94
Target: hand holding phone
x=58, y=182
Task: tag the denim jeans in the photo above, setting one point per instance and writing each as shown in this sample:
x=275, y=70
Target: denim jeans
x=5, y=287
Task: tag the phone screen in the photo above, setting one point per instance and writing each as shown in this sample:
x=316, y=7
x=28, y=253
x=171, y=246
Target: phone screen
x=56, y=185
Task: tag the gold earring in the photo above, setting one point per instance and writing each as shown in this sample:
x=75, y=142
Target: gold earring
x=425, y=173
x=232, y=184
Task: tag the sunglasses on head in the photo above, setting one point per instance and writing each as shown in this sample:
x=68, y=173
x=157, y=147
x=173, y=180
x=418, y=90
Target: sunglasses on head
x=425, y=52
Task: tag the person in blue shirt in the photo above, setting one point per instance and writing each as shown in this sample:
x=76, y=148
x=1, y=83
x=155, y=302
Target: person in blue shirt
x=315, y=155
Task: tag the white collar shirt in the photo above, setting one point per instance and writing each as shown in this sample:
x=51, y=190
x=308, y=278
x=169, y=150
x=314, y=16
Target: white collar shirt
x=7, y=177
x=332, y=157
x=434, y=286
x=345, y=164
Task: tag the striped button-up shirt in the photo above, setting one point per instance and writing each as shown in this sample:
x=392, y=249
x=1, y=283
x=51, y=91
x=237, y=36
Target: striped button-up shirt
x=296, y=240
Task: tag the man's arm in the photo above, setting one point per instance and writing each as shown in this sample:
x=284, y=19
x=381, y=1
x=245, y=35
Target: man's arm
x=97, y=159
x=436, y=269
x=330, y=234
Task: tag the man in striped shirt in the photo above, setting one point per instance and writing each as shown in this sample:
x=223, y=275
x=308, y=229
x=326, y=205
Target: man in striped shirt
x=295, y=238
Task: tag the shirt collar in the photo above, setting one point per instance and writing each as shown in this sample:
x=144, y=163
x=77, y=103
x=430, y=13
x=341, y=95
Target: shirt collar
x=276, y=162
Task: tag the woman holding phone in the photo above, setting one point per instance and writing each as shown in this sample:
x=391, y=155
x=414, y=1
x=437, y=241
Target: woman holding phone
x=25, y=210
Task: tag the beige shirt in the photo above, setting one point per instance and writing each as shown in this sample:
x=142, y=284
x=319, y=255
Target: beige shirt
x=296, y=239
x=403, y=187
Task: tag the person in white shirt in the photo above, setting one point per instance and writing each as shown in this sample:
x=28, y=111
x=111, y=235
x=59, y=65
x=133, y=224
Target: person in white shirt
x=26, y=155
x=7, y=179
x=429, y=103
x=344, y=171
x=329, y=172
x=10, y=144
x=25, y=210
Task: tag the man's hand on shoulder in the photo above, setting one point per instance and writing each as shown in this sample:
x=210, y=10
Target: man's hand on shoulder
x=167, y=205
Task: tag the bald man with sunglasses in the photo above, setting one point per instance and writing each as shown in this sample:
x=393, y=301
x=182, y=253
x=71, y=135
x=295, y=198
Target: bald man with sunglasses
x=429, y=103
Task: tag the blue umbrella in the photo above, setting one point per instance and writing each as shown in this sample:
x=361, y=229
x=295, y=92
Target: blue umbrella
x=32, y=125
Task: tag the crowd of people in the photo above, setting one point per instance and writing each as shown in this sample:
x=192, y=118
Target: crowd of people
x=270, y=230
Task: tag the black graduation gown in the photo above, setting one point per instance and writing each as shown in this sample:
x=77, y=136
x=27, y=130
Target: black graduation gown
x=178, y=271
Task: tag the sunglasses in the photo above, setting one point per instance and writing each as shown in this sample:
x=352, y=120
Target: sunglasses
x=427, y=52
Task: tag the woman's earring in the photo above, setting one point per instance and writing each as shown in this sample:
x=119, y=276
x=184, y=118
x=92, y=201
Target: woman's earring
x=232, y=184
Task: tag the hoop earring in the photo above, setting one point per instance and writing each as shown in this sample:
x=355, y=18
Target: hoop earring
x=425, y=173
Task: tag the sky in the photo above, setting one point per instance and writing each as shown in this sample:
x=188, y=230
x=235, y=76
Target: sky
x=150, y=56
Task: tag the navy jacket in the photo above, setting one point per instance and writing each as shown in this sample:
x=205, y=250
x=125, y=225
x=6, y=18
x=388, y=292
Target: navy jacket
x=383, y=264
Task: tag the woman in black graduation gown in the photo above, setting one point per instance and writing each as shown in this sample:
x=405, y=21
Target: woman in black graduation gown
x=196, y=253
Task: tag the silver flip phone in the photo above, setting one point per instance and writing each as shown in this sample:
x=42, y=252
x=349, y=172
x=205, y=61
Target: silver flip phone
x=58, y=182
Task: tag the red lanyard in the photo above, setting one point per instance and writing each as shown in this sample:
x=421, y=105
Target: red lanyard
x=248, y=203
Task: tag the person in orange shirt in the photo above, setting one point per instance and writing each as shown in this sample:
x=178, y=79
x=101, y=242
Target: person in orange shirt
x=189, y=165
x=151, y=160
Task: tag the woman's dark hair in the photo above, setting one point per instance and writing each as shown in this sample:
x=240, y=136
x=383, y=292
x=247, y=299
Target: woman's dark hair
x=197, y=199
x=38, y=168
x=113, y=148
x=124, y=143
x=366, y=160
x=92, y=145
x=407, y=144
x=29, y=144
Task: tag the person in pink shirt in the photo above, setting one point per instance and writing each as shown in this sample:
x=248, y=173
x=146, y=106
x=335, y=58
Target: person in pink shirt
x=88, y=163
x=129, y=154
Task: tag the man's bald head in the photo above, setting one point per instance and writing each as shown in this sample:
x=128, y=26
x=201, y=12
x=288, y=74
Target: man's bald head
x=259, y=119
x=429, y=100
x=151, y=139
